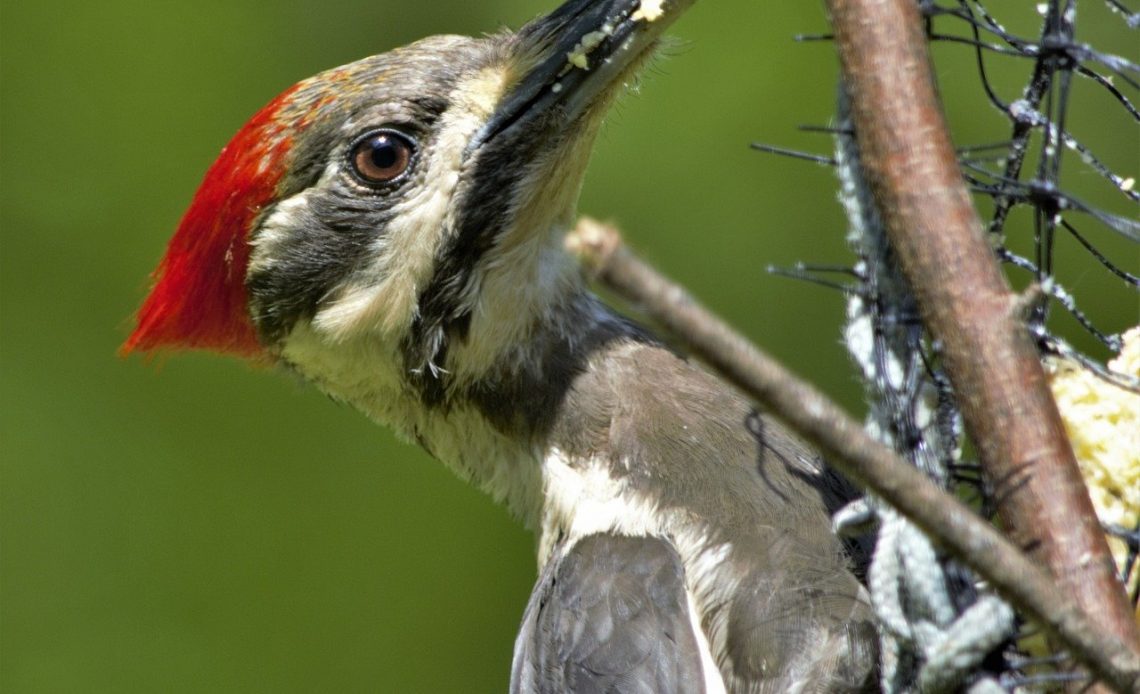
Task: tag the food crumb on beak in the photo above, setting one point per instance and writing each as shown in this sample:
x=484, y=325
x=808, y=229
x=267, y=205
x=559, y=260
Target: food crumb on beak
x=589, y=42
x=649, y=10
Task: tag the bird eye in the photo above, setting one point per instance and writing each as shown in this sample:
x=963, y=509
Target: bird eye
x=381, y=157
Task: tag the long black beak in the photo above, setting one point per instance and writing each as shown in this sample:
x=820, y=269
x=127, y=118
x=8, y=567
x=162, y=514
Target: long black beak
x=584, y=47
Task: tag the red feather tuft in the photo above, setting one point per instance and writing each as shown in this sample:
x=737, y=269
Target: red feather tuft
x=199, y=299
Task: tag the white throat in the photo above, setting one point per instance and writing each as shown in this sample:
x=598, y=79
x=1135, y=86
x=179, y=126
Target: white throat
x=533, y=294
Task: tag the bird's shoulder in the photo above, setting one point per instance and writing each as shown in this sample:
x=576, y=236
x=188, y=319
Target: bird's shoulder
x=662, y=416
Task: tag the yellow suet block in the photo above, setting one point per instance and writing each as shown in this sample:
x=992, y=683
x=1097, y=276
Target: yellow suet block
x=1103, y=423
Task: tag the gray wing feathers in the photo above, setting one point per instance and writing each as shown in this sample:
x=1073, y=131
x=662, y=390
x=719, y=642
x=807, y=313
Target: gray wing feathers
x=610, y=616
x=801, y=630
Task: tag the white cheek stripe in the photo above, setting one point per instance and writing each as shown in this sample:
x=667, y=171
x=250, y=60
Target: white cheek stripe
x=383, y=298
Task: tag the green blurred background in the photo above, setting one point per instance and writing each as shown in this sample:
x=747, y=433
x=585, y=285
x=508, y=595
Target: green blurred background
x=199, y=525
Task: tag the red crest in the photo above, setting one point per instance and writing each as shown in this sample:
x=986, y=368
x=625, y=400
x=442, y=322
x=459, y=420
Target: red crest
x=199, y=300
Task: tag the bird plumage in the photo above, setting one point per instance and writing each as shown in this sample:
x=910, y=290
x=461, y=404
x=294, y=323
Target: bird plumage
x=391, y=231
x=647, y=444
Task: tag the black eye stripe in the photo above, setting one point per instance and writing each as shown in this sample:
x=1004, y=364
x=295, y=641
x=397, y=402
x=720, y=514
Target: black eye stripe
x=381, y=157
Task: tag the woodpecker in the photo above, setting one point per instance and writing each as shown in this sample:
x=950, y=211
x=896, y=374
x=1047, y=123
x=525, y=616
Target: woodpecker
x=391, y=230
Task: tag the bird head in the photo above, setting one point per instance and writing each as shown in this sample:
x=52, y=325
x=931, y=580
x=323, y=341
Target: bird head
x=410, y=203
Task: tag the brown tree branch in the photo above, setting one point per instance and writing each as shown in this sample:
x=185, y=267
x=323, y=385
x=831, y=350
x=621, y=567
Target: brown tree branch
x=912, y=169
x=854, y=452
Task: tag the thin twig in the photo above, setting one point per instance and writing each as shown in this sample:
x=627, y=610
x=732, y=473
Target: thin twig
x=965, y=302
x=854, y=452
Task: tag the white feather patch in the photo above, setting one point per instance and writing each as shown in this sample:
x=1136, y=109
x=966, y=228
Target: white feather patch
x=276, y=230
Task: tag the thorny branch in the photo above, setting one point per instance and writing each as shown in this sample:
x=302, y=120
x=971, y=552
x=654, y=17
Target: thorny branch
x=967, y=305
x=853, y=451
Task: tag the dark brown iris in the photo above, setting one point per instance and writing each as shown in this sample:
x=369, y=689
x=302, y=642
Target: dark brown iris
x=382, y=157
